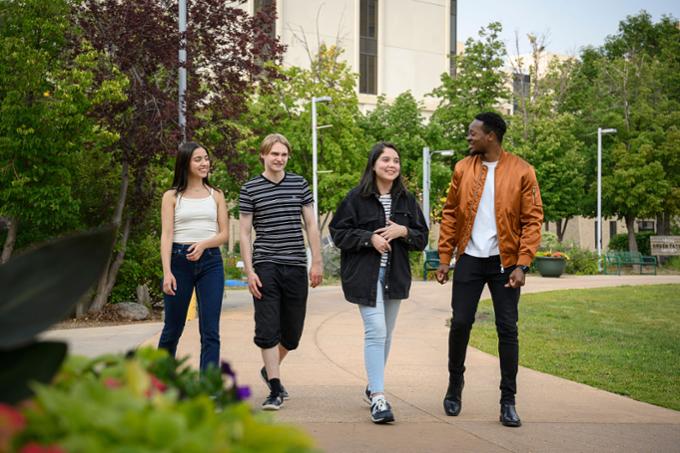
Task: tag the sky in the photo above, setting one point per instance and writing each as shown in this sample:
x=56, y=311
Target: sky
x=568, y=24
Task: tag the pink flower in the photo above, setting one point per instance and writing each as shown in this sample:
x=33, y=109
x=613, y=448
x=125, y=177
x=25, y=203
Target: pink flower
x=34, y=447
x=112, y=383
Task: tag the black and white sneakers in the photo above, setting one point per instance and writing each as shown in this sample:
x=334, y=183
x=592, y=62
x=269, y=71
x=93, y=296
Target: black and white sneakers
x=265, y=378
x=381, y=411
x=272, y=403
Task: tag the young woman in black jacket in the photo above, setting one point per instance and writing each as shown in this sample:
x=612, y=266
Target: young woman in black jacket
x=375, y=227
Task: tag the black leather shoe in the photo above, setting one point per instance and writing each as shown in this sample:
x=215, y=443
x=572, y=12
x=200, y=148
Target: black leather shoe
x=453, y=401
x=509, y=416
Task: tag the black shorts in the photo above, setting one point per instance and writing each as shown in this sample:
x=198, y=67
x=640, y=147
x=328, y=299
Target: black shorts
x=280, y=313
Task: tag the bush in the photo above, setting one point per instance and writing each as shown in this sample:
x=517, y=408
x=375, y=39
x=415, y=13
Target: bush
x=144, y=403
x=142, y=265
x=620, y=242
x=331, y=261
x=581, y=261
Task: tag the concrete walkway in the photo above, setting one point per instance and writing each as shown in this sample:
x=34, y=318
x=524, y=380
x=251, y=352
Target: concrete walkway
x=326, y=378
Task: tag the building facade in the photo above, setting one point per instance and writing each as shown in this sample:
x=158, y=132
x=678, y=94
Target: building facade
x=393, y=45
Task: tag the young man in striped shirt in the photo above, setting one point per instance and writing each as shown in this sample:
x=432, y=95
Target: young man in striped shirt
x=273, y=203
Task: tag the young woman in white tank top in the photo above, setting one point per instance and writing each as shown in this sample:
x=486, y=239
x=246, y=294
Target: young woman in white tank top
x=194, y=224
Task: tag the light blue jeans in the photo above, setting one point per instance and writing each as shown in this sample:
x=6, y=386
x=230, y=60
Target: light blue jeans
x=379, y=323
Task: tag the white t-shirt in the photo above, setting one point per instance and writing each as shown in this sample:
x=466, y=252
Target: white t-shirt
x=484, y=240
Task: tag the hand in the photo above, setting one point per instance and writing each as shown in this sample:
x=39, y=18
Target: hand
x=254, y=285
x=516, y=279
x=315, y=274
x=442, y=273
x=195, y=251
x=381, y=244
x=169, y=284
x=392, y=231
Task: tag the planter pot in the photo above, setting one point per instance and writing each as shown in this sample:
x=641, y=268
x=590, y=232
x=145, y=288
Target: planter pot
x=549, y=266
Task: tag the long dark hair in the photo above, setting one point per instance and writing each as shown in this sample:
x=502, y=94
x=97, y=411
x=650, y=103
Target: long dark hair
x=182, y=162
x=367, y=185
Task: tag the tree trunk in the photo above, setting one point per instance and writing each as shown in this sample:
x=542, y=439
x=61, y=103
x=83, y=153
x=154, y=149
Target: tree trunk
x=630, y=224
x=101, y=295
x=546, y=225
x=561, y=228
x=326, y=217
x=107, y=283
x=8, y=247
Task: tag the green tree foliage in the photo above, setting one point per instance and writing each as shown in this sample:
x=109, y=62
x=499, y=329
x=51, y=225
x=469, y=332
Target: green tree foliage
x=479, y=85
x=48, y=139
x=546, y=137
x=285, y=107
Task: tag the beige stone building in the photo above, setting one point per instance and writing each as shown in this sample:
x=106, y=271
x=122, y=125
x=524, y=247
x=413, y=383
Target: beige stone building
x=393, y=45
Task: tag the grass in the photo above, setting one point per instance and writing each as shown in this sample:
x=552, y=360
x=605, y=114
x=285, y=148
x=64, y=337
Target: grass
x=625, y=340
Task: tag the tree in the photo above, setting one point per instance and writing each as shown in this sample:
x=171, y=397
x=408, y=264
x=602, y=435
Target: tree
x=226, y=49
x=285, y=107
x=48, y=89
x=479, y=85
x=546, y=137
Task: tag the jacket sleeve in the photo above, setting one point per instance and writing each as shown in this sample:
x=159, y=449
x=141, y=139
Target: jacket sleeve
x=448, y=237
x=344, y=231
x=418, y=233
x=531, y=219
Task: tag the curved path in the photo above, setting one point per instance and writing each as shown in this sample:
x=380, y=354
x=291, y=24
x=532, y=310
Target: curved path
x=325, y=378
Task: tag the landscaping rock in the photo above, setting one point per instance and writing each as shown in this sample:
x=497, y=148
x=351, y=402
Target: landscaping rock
x=132, y=311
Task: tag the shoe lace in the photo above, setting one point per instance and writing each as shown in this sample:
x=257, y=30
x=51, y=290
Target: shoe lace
x=380, y=405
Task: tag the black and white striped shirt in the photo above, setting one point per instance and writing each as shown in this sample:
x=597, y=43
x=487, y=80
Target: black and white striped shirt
x=277, y=211
x=386, y=201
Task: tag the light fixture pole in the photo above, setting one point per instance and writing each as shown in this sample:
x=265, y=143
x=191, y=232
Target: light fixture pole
x=182, y=68
x=600, y=131
x=315, y=177
x=427, y=157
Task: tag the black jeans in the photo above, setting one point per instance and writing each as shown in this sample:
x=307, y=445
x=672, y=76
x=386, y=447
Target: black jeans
x=280, y=313
x=469, y=278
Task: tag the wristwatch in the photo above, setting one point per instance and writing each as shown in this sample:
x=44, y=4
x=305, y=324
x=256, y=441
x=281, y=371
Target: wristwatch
x=525, y=269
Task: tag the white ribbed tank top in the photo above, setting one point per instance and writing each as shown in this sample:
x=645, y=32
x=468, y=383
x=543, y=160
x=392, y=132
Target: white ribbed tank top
x=195, y=219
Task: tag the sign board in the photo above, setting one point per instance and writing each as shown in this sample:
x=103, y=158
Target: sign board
x=665, y=245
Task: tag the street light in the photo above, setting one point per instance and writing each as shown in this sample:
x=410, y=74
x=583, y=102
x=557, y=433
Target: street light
x=182, y=68
x=600, y=131
x=314, y=153
x=427, y=156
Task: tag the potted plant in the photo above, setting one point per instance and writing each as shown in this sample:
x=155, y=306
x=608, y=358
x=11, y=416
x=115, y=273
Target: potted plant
x=550, y=264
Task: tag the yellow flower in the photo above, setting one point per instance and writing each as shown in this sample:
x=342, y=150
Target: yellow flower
x=46, y=94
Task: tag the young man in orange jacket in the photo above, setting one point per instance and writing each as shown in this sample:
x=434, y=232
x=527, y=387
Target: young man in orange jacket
x=492, y=220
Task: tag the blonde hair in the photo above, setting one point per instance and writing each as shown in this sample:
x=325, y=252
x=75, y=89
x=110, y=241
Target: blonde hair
x=269, y=142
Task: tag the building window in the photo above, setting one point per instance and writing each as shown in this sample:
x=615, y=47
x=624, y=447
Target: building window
x=521, y=83
x=453, y=37
x=612, y=228
x=645, y=225
x=368, y=47
x=269, y=7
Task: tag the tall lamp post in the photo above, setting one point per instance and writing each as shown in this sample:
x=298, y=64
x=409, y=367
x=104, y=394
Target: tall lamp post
x=600, y=132
x=314, y=154
x=182, y=68
x=427, y=157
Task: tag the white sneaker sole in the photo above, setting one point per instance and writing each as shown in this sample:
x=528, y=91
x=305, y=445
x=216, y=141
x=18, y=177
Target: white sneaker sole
x=271, y=407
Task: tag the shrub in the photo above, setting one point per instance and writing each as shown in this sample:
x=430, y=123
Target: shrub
x=581, y=262
x=331, y=261
x=620, y=242
x=116, y=403
x=142, y=265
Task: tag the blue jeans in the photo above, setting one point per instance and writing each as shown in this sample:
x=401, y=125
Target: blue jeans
x=207, y=276
x=379, y=323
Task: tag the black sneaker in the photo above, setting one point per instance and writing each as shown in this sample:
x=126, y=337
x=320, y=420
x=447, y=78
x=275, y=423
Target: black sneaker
x=272, y=403
x=381, y=411
x=265, y=378
x=367, y=396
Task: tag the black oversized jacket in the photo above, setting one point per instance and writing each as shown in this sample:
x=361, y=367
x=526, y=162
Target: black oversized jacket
x=352, y=226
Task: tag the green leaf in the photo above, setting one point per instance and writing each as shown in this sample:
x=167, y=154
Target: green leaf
x=42, y=286
x=36, y=362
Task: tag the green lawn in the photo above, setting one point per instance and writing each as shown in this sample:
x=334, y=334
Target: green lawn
x=625, y=339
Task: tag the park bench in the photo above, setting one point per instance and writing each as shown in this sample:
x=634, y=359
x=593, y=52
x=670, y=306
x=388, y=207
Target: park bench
x=614, y=261
x=431, y=262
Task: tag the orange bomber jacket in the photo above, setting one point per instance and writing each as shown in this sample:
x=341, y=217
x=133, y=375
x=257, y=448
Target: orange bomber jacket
x=519, y=211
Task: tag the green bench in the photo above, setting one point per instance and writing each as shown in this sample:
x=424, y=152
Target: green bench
x=431, y=262
x=614, y=261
